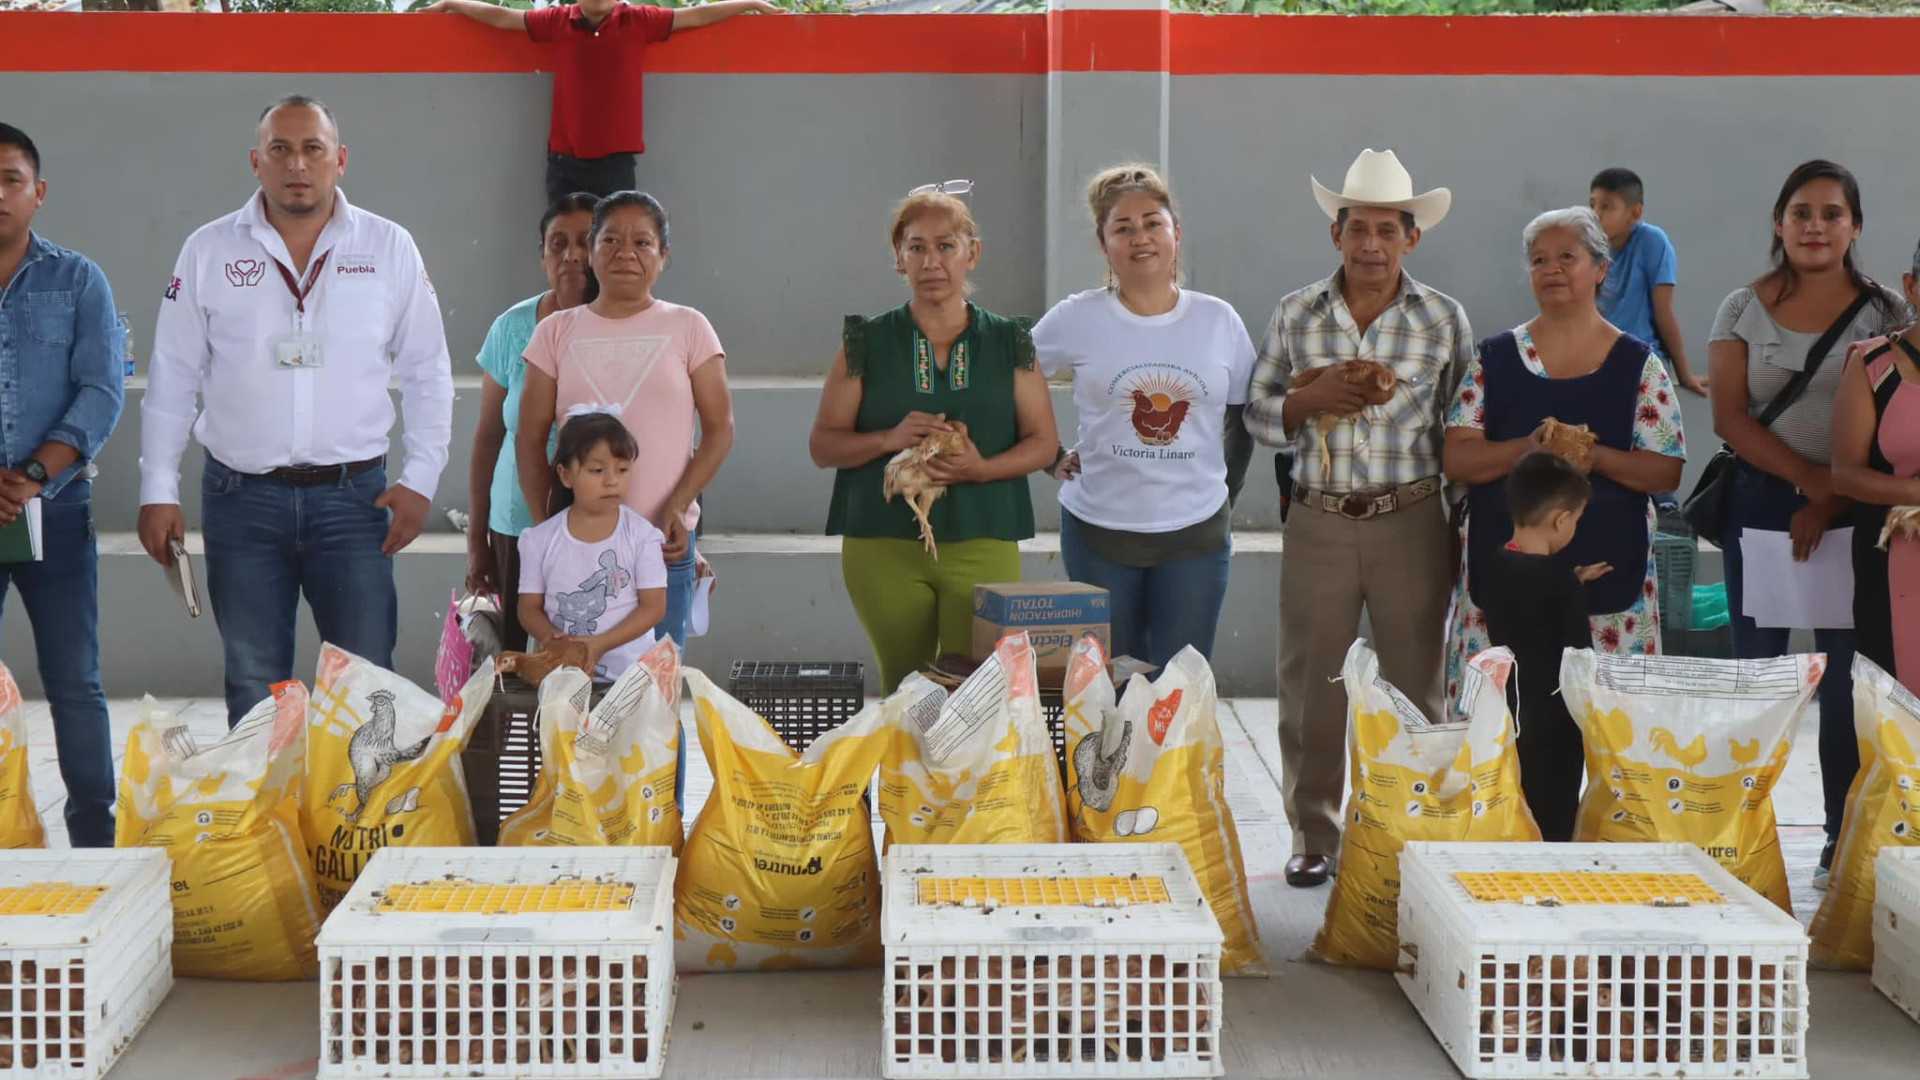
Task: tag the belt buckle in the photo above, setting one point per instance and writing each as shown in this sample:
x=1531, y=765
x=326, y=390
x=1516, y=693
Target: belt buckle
x=1357, y=507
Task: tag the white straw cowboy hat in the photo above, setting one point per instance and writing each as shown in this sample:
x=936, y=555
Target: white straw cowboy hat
x=1376, y=178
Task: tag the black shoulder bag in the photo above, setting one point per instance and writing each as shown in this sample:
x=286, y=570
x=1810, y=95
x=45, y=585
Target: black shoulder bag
x=1706, y=508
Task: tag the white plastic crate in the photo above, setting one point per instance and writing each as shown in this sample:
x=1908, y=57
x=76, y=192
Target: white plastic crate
x=522, y=962
x=1896, y=927
x=86, y=955
x=1056, y=960
x=1622, y=960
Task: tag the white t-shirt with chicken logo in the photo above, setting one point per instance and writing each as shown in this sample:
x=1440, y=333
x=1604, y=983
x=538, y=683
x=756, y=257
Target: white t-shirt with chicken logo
x=1152, y=393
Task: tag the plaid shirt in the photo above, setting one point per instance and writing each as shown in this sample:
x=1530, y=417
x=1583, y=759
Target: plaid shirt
x=1423, y=336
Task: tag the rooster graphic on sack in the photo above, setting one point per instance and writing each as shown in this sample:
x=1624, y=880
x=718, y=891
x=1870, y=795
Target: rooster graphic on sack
x=373, y=755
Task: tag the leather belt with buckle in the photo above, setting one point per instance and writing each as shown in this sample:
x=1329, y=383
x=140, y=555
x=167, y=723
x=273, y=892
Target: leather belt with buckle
x=1362, y=505
x=315, y=475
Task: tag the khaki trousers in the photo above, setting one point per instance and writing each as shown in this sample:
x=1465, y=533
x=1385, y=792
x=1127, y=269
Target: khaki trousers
x=1398, y=567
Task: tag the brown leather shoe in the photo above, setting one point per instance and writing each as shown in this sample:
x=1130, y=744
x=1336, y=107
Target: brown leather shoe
x=1308, y=871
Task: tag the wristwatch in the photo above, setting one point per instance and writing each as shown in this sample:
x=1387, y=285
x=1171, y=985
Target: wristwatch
x=35, y=471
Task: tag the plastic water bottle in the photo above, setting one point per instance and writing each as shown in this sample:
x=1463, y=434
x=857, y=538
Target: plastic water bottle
x=126, y=335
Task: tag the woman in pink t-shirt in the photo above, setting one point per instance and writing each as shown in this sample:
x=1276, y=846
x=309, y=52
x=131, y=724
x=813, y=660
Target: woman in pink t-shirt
x=659, y=362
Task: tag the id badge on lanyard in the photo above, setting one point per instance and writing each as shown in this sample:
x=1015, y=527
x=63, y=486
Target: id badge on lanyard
x=301, y=349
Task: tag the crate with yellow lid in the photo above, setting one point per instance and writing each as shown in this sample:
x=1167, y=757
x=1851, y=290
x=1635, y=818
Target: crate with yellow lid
x=1896, y=927
x=1620, y=960
x=86, y=956
x=459, y=962
x=1054, y=960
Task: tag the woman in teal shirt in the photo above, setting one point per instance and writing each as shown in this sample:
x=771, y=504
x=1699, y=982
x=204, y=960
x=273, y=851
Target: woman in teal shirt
x=499, y=511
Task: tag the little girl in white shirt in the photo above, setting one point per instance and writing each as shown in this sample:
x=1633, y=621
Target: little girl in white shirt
x=594, y=572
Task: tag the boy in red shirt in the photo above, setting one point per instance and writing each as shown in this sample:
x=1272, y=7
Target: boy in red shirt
x=600, y=48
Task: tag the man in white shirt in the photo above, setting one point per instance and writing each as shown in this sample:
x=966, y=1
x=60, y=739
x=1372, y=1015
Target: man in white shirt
x=280, y=331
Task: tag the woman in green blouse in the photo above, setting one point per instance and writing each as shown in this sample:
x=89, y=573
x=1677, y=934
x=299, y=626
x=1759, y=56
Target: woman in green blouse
x=936, y=363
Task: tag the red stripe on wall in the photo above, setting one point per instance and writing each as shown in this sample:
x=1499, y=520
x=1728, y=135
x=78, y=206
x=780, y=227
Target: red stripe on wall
x=997, y=44
x=1694, y=45
x=1107, y=40
x=360, y=44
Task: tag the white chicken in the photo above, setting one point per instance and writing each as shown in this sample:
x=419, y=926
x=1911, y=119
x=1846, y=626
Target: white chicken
x=906, y=476
x=1901, y=521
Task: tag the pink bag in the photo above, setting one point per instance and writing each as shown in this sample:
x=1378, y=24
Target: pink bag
x=454, y=663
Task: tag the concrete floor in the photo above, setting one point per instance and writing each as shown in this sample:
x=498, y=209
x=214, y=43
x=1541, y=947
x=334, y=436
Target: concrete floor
x=1307, y=1020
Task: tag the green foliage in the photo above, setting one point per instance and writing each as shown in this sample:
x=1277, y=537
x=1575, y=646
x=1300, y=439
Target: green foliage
x=799, y=7
x=306, y=6
x=1416, y=7
x=1207, y=7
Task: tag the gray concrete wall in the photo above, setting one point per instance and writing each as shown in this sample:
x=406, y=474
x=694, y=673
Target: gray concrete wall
x=780, y=187
x=1713, y=153
x=779, y=221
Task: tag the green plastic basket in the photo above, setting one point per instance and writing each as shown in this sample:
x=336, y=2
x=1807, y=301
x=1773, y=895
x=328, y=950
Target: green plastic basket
x=1674, y=556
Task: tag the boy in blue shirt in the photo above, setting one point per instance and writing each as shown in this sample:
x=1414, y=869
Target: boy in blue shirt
x=1638, y=295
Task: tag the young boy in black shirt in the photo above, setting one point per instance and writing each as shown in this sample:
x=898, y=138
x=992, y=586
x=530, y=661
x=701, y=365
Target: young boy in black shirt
x=1536, y=606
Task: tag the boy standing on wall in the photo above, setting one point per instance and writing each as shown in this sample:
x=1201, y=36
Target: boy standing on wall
x=600, y=49
x=1638, y=295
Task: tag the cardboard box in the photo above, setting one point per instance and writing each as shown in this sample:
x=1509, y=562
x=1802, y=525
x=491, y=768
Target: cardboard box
x=1055, y=614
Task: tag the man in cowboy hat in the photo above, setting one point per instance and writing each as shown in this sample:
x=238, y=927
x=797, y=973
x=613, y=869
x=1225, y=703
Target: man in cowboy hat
x=1368, y=528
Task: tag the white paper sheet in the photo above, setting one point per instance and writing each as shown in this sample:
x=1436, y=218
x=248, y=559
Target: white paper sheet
x=698, y=618
x=1812, y=595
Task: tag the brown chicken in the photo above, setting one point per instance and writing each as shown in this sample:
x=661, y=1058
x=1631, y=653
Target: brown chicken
x=1375, y=380
x=1572, y=442
x=906, y=476
x=1157, y=426
x=535, y=666
x=1902, y=521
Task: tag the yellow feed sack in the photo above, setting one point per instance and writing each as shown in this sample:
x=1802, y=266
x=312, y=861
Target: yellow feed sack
x=1685, y=750
x=383, y=767
x=1415, y=780
x=606, y=774
x=19, y=822
x=244, y=905
x=1883, y=810
x=975, y=766
x=1152, y=769
x=779, y=871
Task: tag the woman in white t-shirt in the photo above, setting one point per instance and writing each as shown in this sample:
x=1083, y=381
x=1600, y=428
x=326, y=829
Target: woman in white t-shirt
x=659, y=362
x=1159, y=377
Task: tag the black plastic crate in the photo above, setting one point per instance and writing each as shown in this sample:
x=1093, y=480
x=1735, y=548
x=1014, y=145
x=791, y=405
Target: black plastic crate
x=800, y=699
x=1053, y=709
x=502, y=759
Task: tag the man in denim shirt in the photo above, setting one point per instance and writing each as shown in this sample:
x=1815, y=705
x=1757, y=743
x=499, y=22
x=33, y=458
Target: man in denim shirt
x=61, y=386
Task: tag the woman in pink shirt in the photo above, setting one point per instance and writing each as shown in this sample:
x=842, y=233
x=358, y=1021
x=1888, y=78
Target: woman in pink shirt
x=661, y=363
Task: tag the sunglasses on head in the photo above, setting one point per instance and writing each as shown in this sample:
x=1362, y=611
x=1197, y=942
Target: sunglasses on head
x=947, y=187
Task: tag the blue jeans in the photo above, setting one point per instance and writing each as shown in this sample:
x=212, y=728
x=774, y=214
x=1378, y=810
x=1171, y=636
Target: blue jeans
x=674, y=625
x=679, y=599
x=1157, y=610
x=1763, y=501
x=62, y=595
x=268, y=542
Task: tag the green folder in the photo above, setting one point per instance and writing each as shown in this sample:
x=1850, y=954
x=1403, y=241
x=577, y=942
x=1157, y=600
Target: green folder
x=21, y=541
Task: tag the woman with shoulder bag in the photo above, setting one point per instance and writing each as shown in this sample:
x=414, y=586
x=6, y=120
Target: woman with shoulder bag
x=1786, y=337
